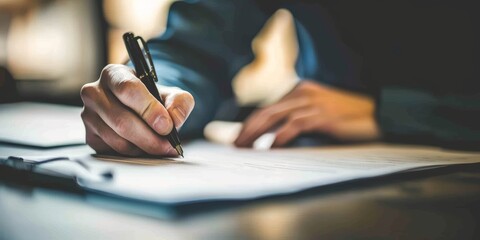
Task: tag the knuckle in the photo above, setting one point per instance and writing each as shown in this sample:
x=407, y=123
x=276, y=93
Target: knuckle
x=126, y=88
x=88, y=91
x=84, y=115
x=296, y=123
x=105, y=74
x=270, y=114
x=308, y=87
x=108, y=71
x=254, y=118
x=115, y=72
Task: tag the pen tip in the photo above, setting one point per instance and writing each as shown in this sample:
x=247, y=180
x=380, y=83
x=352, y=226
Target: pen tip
x=179, y=150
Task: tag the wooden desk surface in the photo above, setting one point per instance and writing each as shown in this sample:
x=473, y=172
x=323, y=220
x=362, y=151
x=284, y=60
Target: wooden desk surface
x=442, y=204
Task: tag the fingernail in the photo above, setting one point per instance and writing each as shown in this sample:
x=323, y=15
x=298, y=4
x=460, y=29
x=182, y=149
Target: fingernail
x=161, y=125
x=178, y=116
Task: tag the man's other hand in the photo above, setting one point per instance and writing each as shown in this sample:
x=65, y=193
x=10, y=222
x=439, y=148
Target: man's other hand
x=121, y=116
x=313, y=108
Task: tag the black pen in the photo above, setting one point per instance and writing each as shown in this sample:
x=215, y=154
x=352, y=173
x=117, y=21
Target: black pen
x=143, y=63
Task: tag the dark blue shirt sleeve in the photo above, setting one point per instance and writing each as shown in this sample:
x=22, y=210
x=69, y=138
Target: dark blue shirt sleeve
x=205, y=44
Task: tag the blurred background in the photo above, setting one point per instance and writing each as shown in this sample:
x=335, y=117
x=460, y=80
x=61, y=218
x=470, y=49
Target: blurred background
x=50, y=48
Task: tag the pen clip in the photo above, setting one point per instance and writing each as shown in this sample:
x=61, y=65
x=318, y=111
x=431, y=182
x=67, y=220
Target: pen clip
x=136, y=55
x=146, y=53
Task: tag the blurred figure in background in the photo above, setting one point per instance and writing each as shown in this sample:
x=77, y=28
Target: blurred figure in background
x=204, y=47
x=347, y=56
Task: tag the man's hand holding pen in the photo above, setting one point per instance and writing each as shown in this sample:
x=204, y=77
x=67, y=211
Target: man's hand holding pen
x=130, y=115
x=120, y=114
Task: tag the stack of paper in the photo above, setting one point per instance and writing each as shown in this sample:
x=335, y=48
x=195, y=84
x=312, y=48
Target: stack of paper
x=218, y=172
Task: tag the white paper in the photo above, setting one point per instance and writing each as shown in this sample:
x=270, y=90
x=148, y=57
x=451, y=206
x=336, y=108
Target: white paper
x=213, y=172
x=41, y=125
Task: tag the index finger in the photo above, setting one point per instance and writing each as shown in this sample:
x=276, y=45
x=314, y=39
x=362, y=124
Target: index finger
x=265, y=119
x=131, y=92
